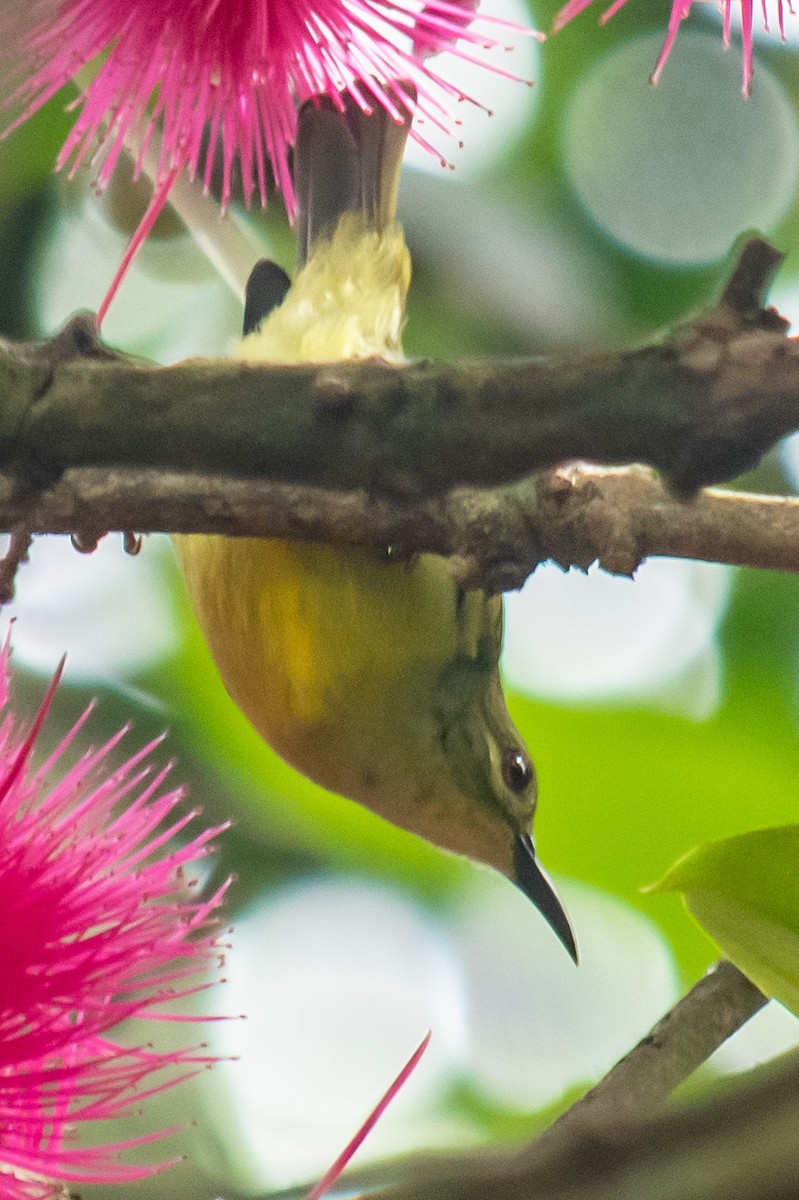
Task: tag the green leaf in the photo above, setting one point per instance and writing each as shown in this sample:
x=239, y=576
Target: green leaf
x=744, y=891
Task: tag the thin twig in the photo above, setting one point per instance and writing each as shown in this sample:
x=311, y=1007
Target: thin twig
x=495, y=537
x=614, y=1117
x=715, y=1008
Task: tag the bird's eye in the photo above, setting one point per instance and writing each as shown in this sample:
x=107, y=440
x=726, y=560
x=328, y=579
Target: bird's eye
x=517, y=771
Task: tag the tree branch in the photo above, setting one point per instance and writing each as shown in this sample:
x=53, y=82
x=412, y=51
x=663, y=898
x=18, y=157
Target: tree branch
x=640, y=1083
x=739, y=1144
x=620, y=516
x=372, y=453
x=615, y=1142
x=702, y=405
x=575, y=515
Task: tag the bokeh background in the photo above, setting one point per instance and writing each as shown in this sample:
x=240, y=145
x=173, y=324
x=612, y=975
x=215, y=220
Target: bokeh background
x=588, y=210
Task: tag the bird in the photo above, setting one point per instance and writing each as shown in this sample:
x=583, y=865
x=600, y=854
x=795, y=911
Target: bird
x=374, y=674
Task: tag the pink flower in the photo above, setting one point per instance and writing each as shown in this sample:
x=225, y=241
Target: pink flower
x=223, y=75
x=680, y=9
x=97, y=924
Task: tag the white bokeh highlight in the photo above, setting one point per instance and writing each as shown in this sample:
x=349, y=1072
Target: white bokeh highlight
x=598, y=638
x=677, y=172
x=112, y=614
x=539, y=1026
x=772, y=1031
x=766, y=34
x=523, y=271
x=340, y=981
x=789, y=454
x=504, y=105
x=171, y=305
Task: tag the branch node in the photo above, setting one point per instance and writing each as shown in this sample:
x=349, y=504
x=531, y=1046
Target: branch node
x=78, y=339
x=86, y=541
x=747, y=287
x=17, y=553
x=131, y=542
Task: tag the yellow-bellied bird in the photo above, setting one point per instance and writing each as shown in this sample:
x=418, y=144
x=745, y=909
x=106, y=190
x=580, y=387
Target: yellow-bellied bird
x=376, y=678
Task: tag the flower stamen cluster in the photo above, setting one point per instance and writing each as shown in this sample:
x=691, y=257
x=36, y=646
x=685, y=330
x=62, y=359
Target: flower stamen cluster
x=100, y=921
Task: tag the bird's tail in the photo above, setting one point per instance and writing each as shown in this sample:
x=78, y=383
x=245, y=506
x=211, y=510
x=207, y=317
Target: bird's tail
x=347, y=160
x=348, y=297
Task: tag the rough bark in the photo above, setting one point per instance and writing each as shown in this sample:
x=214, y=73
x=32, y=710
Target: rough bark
x=423, y=456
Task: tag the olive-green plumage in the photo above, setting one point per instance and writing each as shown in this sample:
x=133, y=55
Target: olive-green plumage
x=375, y=677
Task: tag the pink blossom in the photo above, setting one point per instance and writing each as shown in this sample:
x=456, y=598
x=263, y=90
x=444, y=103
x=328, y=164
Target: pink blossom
x=97, y=924
x=193, y=82
x=680, y=9
x=224, y=75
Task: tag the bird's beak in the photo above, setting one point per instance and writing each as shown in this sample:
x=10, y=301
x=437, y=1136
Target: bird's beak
x=532, y=880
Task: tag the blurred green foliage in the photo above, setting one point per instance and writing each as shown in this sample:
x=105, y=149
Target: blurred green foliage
x=742, y=890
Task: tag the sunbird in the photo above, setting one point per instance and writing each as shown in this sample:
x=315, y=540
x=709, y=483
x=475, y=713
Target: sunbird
x=374, y=675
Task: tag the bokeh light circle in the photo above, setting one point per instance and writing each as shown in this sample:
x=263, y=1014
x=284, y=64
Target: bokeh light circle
x=503, y=103
x=598, y=638
x=339, y=980
x=527, y=1004
x=677, y=172
x=81, y=605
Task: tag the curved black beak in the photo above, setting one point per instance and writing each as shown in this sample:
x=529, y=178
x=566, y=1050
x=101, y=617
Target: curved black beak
x=531, y=879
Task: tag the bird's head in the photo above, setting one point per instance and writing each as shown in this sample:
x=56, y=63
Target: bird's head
x=492, y=769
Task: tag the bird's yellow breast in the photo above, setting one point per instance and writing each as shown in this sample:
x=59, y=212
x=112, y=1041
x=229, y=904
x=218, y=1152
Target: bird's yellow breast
x=312, y=616
x=332, y=653
x=337, y=654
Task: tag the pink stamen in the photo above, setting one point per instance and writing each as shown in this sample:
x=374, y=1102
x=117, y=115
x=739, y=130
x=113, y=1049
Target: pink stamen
x=223, y=88
x=680, y=9
x=154, y=209
x=332, y=1175
x=746, y=37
